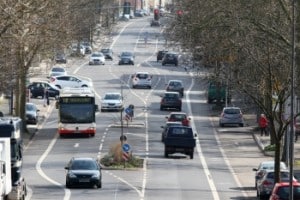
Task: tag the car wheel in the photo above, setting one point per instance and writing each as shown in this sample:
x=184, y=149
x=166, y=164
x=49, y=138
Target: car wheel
x=192, y=155
x=68, y=185
x=58, y=86
x=99, y=185
x=176, y=64
x=179, y=109
x=241, y=125
x=222, y=125
x=161, y=108
x=166, y=154
x=163, y=64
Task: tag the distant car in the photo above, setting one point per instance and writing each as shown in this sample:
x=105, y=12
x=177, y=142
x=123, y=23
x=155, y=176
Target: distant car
x=171, y=100
x=281, y=191
x=154, y=23
x=83, y=171
x=112, y=101
x=77, y=50
x=126, y=58
x=87, y=47
x=170, y=58
x=57, y=71
x=266, y=183
x=31, y=111
x=97, y=58
x=266, y=165
x=141, y=79
x=175, y=86
x=60, y=58
x=69, y=81
x=138, y=13
x=37, y=89
x=160, y=54
x=179, y=117
x=166, y=126
x=231, y=116
x=108, y=53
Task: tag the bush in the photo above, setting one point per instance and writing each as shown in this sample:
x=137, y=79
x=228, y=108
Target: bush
x=114, y=159
x=270, y=148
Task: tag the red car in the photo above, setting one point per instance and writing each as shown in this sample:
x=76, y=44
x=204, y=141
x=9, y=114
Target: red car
x=179, y=117
x=281, y=191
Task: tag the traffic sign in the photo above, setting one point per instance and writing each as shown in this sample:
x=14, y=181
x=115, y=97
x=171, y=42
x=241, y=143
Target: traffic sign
x=125, y=156
x=128, y=111
x=126, y=147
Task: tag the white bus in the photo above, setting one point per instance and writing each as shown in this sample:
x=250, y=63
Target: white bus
x=77, y=112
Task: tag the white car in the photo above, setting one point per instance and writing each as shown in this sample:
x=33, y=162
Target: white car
x=97, y=58
x=57, y=71
x=141, y=79
x=112, y=101
x=69, y=81
x=77, y=50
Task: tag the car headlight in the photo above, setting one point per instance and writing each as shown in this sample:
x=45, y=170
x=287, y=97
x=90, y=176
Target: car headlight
x=71, y=175
x=95, y=176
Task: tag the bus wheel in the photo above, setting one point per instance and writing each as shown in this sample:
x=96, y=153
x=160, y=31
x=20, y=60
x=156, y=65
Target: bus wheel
x=92, y=135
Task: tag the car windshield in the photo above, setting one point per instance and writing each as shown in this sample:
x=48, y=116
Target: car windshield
x=58, y=69
x=126, y=54
x=232, y=111
x=105, y=50
x=30, y=107
x=112, y=96
x=96, y=54
x=171, y=95
x=83, y=165
x=175, y=84
x=142, y=76
x=283, y=192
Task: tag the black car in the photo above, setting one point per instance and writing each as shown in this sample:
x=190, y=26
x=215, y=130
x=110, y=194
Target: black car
x=108, y=53
x=175, y=86
x=165, y=128
x=38, y=89
x=126, y=58
x=160, y=54
x=60, y=58
x=171, y=100
x=83, y=171
x=170, y=58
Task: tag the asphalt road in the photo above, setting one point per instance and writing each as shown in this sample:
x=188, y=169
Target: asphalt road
x=224, y=157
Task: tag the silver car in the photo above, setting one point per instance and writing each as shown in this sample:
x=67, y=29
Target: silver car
x=141, y=79
x=231, y=116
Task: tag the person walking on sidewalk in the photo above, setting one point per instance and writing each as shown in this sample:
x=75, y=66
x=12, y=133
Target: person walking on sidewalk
x=263, y=124
x=46, y=97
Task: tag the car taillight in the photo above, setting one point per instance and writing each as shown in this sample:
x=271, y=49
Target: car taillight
x=52, y=79
x=267, y=183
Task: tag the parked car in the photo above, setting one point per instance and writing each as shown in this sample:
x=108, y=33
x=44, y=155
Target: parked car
x=77, y=50
x=160, y=54
x=266, y=183
x=171, y=100
x=165, y=128
x=112, y=101
x=179, y=117
x=154, y=22
x=31, y=111
x=83, y=171
x=175, y=86
x=108, y=53
x=87, y=47
x=126, y=58
x=170, y=58
x=60, y=58
x=57, y=71
x=281, y=191
x=266, y=165
x=141, y=79
x=69, y=81
x=38, y=88
x=97, y=58
x=231, y=116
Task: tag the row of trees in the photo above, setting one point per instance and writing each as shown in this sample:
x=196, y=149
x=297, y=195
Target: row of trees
x=31, y=30
x=253, y=41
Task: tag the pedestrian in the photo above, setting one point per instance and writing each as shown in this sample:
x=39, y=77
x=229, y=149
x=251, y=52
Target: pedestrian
x=46, y=97
x=263, y=124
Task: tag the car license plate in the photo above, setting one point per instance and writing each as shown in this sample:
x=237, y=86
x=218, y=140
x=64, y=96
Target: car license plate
x=84, y=180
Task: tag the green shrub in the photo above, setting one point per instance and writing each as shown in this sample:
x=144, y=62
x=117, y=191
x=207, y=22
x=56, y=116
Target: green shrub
x=270, y=147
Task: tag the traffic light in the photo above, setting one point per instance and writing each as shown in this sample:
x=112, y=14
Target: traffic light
x=156, y=14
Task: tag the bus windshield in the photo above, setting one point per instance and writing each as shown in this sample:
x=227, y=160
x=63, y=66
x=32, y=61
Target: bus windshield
x=77, y=113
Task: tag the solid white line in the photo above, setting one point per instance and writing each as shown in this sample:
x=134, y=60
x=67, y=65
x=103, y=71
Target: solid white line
x=41, y=172
x=200, y=155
